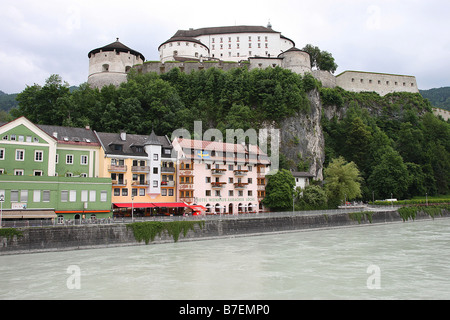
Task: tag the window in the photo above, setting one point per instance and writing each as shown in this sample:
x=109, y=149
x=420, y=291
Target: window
x=250, y=193
x=134, y=192
x=14, y=196
x=155, y=183
x=230, y=193
x=217, y=193
x=116, y=192
x=84, y=160
x=73, y=195
x=37, y=196
x=103, y=196
x=46, y=196
x=5, y=137
x=39, y=156
x=57, y=158
x=24, y=196
x=164, y=192
x=20, y=154
x=13, y=137
x=155, y=170
x=37, y=173
x=155, y=157
x=208, y=193
x=170, y=192
x=124, y=192
x=18, y=172
x=92, y=195
x=2, y=154
x=142, y=192
x=64, y=195
x=69, y=159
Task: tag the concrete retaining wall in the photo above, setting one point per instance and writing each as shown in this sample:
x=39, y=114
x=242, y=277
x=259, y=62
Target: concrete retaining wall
x=100, y=236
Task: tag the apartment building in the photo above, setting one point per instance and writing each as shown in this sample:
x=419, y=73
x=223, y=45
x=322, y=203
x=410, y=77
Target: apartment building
x=51, y=172
x=224, y=178
x=142, y=171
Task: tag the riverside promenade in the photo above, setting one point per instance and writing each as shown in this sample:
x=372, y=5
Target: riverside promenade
x=116, y=233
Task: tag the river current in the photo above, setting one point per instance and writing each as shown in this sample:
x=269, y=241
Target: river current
x=408, y=260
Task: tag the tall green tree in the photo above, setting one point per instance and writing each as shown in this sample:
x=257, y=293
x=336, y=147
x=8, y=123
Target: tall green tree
x=280, y=191
x=342, y=181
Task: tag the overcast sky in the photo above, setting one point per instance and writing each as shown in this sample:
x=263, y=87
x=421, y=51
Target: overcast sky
x=41, y=38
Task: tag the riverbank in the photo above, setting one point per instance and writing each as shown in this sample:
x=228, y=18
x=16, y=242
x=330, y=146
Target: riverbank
x=44, y=239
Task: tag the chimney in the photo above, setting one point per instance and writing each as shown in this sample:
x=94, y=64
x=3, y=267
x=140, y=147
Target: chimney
x=88, y=127
x=123, y=135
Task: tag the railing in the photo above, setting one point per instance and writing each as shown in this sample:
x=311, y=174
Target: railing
x=207, y=217
x=167, y=183
x=116, y=168
x=167, y=169
x=119, y=182
x=145, y=169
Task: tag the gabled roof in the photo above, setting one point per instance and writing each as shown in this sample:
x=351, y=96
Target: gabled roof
x=109, y=140
x=70, y=135
x=116, y=46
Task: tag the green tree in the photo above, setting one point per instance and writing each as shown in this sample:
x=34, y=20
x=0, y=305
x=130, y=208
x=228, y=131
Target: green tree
x=313, y=197
x=280, y=190
x=322, y=60
x=342, y=181
x=390, y=176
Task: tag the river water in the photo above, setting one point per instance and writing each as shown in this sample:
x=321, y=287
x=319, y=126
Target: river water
x=391, y=261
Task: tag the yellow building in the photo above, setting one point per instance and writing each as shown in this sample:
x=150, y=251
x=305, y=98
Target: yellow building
x=143, y=174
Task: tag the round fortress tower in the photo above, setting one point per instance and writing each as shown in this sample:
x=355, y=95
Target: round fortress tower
x=296, y=60
x=111, y=63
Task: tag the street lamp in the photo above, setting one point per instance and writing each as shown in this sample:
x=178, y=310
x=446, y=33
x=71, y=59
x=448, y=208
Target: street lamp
x=132, y=208
x=2, y=199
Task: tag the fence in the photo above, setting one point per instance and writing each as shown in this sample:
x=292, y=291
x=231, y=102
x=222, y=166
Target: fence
x=208, y=217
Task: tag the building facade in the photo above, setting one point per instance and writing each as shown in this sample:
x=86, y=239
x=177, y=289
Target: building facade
x=224, y=178
x=50, y=171
x=142, y=171
x=233, y=43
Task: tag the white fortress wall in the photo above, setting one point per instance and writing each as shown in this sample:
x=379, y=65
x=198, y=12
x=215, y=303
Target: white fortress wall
x=382, y=83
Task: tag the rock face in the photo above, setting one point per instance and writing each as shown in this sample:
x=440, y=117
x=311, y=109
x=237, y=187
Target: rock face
x=302, y=138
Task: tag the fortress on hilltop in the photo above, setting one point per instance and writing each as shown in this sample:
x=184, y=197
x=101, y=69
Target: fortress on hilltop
x=231, y=47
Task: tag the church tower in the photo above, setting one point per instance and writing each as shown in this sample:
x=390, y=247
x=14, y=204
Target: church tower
x=111, y=63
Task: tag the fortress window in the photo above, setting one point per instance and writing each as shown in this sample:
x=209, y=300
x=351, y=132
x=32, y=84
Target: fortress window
x=396, y=83
x=196, y=54
x=370, y=81
x=249, y=38
x=213, y=39
x=221, y=40
x=105, y=68
x=175, y=53
x=387, y=83
x=229, y=39
x=404, y=84
x=127, y=69
x=178, y=44
x=259, y=38
x=266, y=39
x=237, y=39
x=412, y=84
x=379, y=81
x=249, y=45
x=353, y=79
x=362, y=80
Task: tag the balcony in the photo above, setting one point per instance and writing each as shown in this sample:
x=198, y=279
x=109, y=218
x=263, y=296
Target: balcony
x=240, y=185
x=167, y=169
x=140, y=183
x=261, y=187
x=240, y=172
x=119, y=183
x=142, y=169
x=117, y=168
x=167, y=184
x=216, y=185
x=218, y=172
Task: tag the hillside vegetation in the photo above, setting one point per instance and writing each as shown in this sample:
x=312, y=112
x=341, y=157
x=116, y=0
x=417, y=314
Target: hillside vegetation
x=399, y=147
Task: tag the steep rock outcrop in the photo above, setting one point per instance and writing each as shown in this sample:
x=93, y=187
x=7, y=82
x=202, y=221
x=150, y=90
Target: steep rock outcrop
x=302, y=138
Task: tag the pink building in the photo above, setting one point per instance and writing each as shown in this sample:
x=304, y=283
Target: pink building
x=223, y=177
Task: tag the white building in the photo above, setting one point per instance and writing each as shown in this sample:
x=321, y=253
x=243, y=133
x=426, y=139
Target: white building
x=234, y=43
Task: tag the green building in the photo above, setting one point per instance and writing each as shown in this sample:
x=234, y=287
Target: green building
x=51, y=171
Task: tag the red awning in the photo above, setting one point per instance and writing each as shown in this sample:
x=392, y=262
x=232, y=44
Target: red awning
x=134, y=205
x=170, y=205
x=198, y=208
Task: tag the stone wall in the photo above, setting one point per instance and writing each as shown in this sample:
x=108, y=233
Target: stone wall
x=101, y=236
x=381, y=83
